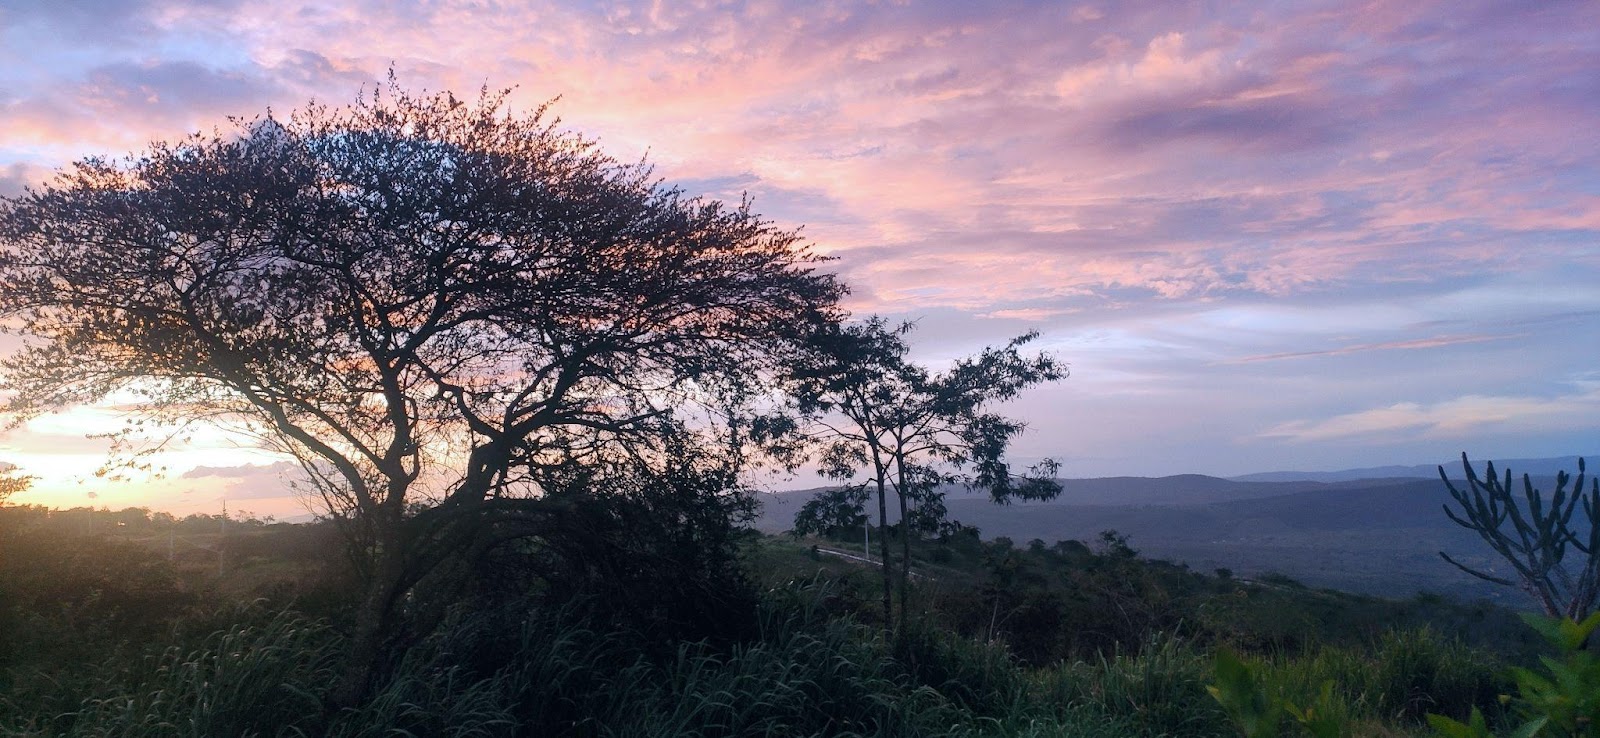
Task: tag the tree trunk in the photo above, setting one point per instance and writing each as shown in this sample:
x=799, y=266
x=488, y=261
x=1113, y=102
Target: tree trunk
x=883, y=548
x=905, y=551
x=372, y=625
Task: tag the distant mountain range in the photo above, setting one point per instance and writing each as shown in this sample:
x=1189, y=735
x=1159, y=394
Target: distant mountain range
x=1377, y=534
x=1534, y=467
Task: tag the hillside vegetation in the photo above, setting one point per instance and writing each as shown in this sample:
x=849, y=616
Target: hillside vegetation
x=131, y=625
x=1373, y=536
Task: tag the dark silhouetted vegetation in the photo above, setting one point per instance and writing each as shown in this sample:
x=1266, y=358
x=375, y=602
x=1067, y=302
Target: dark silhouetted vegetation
x=440, y=310
x=11, y=481
x=1534, y=535
x=861, y=407
x=1048, y=640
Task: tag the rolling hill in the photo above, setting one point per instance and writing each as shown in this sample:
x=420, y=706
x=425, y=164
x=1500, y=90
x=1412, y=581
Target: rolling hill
x=1371, y=535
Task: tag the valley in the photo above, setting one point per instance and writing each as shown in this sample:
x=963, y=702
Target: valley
x=1375, y=536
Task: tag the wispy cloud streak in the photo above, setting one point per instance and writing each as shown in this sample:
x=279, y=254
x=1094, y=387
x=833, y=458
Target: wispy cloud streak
x=1420, y=343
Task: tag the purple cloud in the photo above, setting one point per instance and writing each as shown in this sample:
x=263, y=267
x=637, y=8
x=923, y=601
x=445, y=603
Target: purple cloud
x=15, y=177
x=1272, y=126
x=172, y=93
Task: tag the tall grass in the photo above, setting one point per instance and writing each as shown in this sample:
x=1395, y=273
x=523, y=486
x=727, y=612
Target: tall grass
x=1420, y=671
x=545, y=674
x=247, y=680
x=1160, y=690
x=809, y=673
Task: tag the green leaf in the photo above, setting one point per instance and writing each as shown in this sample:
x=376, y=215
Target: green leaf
x=1531, y=684
x=1255, y=714
x=1576, y=634
x=1548, y=627
x=1448, y=728
x=1530, y=728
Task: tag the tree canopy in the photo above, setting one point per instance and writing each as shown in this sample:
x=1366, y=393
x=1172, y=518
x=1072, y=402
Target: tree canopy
x=433, y=304
x=862, y=407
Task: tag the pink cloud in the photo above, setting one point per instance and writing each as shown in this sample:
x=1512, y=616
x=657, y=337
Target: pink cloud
x=1455, y=418
x=1158, y=142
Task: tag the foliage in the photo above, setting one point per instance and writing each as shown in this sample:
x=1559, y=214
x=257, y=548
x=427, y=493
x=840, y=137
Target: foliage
x=562, y=660
x=1476, y=727
x=1065, y=601
x=1258, y=715
x=65, y=597
x=861, y=407
x=1564, y=702
x=1337, y=691
x=11, y=481
x=1539, y=538
x=647, y=545
x=1158, y=688
x=433, y=305
x=1419, y=671
x=1568, y=699
x=1247, y=704
x=548, y=674
x=833, y=512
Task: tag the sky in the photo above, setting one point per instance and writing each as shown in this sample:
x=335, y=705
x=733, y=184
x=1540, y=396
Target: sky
x=1264, y=236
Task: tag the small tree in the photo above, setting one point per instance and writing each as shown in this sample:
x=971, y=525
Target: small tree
x=862, y=407
x=436, y=307
x=1540, y=535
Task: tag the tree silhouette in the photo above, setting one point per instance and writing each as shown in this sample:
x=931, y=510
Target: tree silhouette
x=833, y=512
x=861, y=407
x=12, y=481
x=432, y=304
x=1541, y=534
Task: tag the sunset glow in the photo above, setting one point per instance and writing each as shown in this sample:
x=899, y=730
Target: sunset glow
x=1264, y=236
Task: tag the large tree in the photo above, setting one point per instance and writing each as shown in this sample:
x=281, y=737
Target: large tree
x=869, y=415
x=435, y=305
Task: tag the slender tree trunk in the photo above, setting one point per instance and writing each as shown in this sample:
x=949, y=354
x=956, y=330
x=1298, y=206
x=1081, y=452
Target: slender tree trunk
x=905, y=545
x=883, y=553
x=883, y=539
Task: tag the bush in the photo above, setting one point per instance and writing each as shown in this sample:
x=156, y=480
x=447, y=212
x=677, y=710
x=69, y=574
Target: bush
x=67, y=599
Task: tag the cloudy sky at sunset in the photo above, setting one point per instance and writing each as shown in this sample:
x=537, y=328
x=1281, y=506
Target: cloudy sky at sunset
x=1299, y=235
